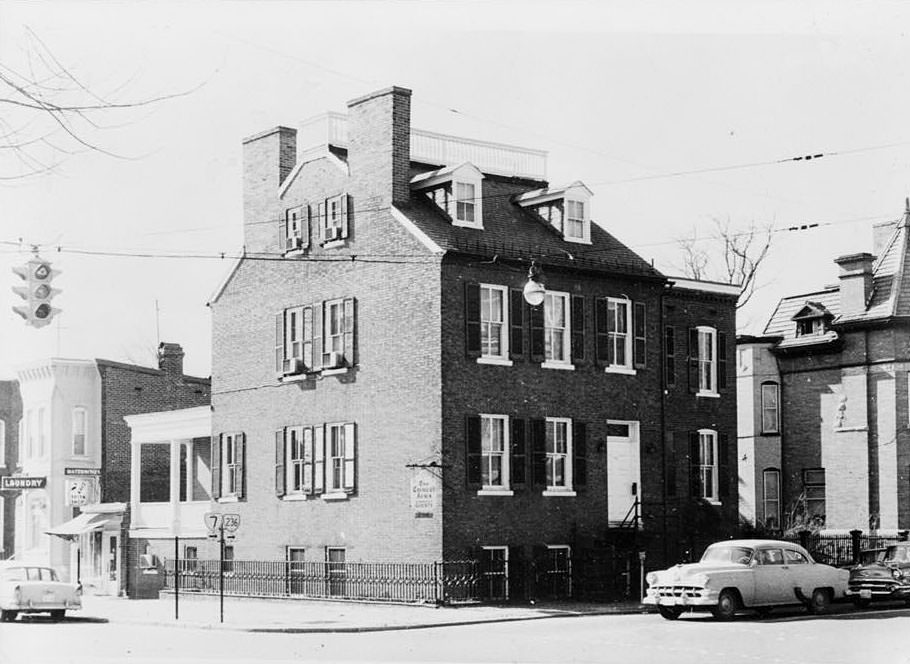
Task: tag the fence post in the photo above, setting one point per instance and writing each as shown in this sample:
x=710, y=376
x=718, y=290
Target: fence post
x=804, y=539
x=855, y=543
x=436, y=594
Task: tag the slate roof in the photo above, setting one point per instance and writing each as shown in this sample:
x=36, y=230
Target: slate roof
x=890, y=295
x=511, y=231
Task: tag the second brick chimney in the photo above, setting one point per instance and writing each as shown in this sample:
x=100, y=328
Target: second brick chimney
x=379, y=146
x=268, y=158
x=170, y=358
x=855, y=282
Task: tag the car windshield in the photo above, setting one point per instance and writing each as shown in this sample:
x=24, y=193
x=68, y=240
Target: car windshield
x=727, y=554
x=897, y=554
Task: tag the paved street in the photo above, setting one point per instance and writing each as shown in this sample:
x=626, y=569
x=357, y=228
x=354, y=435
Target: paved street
x=787, y=637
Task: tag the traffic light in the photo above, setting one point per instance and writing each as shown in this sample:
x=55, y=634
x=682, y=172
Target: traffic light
x=37, y=293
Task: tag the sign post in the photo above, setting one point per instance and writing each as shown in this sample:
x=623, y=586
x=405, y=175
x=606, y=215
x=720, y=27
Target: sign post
x=176, y=577
x=217, y=524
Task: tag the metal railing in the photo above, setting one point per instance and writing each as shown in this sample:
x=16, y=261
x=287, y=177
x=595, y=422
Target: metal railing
x=437, y=582
x=843, y=550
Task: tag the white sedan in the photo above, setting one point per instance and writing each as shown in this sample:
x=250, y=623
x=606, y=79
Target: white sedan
x=32, y=588
x=746, y=574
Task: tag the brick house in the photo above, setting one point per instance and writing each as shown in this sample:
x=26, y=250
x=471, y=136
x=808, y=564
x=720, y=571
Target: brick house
x=823, y=397
x=10, y=415
x=384, y=391
x=76, y=443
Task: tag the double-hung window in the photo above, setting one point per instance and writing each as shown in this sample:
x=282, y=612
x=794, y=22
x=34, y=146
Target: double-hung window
x=814, y=487
x=708, y=465
x=771, y=497
x=336, y=458
x=333, y=218
x=494, y=446
x=559, y=454
x=333, y=321
x=296, y=228
x=619, y=349
x=575, y=220
x=231, y=465
x=299, y=450
x=315, y=460
x=465, y=202
x=494, y=338
x=707, y=360
x=79, y=427
x=315, y=337
x=557, y=328
x=770, y=408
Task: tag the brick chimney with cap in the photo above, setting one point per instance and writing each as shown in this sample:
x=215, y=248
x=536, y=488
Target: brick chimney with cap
x=170, y=358
x=268, y=158
x=855, y=282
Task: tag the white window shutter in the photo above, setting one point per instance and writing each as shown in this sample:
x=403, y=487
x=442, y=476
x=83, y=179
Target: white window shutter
x=345, y=213
x=322, y=220
x=350, y=454
x=305, y=215
x=319, y=459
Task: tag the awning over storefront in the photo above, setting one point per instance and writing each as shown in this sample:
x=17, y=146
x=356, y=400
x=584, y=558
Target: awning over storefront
x=81, y=524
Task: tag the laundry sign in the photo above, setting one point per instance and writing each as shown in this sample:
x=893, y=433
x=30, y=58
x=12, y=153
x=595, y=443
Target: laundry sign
x=19, y=482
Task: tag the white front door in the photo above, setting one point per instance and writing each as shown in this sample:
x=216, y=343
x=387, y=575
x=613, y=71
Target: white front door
x=623, y=470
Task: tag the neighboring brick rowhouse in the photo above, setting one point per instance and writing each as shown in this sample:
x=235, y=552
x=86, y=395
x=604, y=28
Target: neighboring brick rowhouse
x=128, y=390
x=10, y=414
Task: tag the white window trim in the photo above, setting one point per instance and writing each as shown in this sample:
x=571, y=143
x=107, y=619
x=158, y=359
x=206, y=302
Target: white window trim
x=776, y=429
x=476, y=182
x=586, y=219
x=290, y=493
x=567, y=332
x=505, y=558
x=228, y=439
x=705, y=329
x=628, y=367
x=337, y=493
x=495, y=361
x=505, y=488
x=714, y=498
x=301, y=211
x=764, y=495
x=569, y=488
x=505, y=325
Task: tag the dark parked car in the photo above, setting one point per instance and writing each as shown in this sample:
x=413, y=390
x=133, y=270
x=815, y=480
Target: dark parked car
x=885, y=577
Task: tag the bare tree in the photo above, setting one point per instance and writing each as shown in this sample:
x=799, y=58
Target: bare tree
x=728, y=254
x=50, y=114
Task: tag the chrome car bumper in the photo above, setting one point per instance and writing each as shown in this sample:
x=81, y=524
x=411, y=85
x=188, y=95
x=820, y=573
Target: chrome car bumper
x=681, y=596
x=878, y=591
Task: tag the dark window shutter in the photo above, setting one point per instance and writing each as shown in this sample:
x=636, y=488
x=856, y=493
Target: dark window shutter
x=670, y=355
x=349, y=321
x=693, y=360
x=670, y=479
x=539, y=452
x=317, y=335
x=639, y=338
x=472, y=319
x=472, y=449
x=282, y=235
x=601, y=337
x=721, y=360
x=279, y=342
x=723, y=467
x=578, y=329
x=580, y=451
x=280, y=476
x=216, y=466
x=694, y=471
x=241, y=454
x=537, y=333
x=519, y=460
x=321, y=220
x=345, y=212
x=516, y=324
x=305, y=215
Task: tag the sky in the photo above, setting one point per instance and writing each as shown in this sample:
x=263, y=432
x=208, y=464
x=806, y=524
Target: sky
x=676, y=115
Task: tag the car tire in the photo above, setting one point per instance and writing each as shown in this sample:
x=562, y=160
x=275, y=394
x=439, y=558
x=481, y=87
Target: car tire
x=669, y=612
x=861, y=603
x=8, y=616
x=727, y=605
x=58, y=614
x=820, y=602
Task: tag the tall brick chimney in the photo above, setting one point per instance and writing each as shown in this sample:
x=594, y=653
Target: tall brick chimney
x=170, y=358
x=379, y=146
x=268, y=158
x=855, y=282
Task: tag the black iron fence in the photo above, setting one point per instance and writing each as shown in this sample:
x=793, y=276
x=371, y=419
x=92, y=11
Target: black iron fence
x=437, y=582
x=846, y=549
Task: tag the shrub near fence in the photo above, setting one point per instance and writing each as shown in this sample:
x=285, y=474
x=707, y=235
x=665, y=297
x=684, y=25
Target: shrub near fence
x=843, y=550
x=439, y=582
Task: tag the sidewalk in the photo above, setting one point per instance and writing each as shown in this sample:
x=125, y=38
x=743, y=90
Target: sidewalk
x=314, y=616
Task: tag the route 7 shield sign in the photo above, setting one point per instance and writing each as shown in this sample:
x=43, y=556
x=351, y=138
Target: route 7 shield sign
x=212, y=521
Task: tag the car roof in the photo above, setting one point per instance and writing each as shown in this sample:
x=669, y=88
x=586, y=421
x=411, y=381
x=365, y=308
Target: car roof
x=756, y=543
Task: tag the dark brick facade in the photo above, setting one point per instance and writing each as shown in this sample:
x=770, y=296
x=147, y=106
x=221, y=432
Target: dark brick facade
x=413, y=384
x=10, y=414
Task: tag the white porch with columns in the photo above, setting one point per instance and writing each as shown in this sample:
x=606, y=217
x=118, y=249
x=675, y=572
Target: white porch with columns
x=175, y=518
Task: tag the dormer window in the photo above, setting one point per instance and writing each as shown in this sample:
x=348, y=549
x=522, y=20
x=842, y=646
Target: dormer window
x=456, y=191
x=566, y=210
x=810, y=327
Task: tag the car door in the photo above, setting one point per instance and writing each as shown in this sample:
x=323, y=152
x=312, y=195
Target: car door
x=772, y=577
